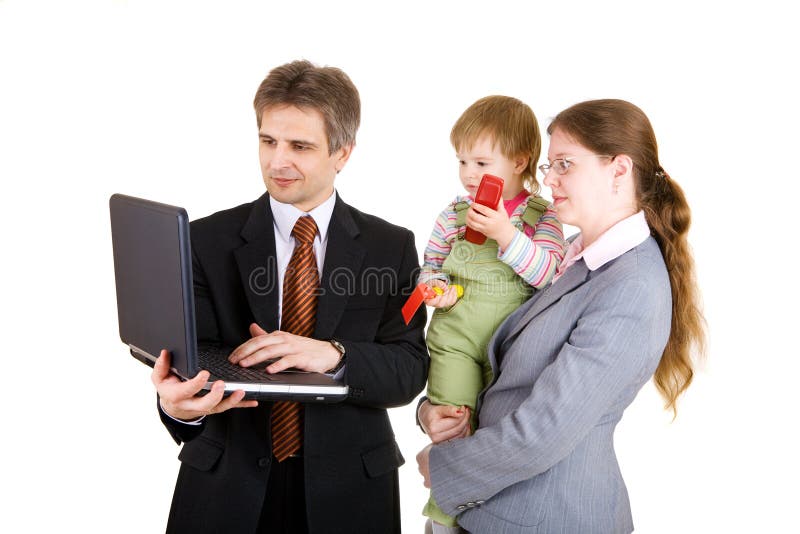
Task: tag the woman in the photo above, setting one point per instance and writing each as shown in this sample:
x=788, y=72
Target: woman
x=622, y=306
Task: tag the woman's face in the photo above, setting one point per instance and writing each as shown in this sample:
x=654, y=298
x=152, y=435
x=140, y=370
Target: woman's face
x=582, y=195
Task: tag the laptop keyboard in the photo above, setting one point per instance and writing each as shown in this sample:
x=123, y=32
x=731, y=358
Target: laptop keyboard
x=215, y=361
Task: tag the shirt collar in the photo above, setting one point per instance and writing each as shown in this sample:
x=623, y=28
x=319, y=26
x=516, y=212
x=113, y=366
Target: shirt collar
x=286, y=215
x=613, y=243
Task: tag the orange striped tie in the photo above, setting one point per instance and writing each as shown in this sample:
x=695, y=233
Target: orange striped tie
x=298, y=316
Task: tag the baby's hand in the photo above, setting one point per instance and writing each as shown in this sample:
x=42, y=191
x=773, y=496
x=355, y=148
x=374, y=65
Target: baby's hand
x=446, y=295
x=492, y=223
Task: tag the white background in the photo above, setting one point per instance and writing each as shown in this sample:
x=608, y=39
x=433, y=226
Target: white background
x=153, y=99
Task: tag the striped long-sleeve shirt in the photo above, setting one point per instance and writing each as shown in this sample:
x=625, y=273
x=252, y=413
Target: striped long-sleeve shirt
x=534, y=253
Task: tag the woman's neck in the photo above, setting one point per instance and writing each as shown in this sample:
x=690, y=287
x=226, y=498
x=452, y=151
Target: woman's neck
x=592, y=232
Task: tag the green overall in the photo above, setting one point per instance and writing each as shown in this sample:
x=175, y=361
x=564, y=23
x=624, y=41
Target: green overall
x=458, y=337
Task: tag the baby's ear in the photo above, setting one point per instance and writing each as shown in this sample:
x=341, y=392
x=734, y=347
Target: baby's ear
x=521, y=163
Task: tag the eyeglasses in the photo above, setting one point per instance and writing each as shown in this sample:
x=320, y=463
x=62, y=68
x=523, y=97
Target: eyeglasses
x=562, y=165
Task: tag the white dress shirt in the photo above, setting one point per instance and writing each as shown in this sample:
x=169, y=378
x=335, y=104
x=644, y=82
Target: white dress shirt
x=613, y=243
x=285, y=216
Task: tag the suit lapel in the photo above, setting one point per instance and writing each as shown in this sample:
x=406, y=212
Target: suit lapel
x=575, y=276
x=341, y=273
x=257, y=265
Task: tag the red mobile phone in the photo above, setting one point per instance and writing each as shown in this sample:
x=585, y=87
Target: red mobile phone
x=490, y=191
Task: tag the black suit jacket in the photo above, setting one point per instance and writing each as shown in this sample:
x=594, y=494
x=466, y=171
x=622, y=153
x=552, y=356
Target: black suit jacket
x=351, y=457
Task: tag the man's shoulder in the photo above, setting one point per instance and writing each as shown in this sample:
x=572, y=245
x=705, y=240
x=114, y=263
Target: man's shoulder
x=369, y=224
x=225, y=222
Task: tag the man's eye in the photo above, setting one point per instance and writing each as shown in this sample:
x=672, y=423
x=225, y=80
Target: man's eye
x=267, y=141
x=482, y=164
x=300, y=148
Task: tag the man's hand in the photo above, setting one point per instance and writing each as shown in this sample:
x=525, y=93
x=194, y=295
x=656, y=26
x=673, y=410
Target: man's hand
x=178, y=398
x=423, y=457
x=288, y=349
x=491, y=223
x=442, y=422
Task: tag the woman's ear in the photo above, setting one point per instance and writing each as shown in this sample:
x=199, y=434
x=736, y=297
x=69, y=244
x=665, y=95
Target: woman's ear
x=623, y=165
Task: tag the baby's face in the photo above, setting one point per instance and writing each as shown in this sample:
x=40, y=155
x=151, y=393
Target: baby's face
x=484, y=157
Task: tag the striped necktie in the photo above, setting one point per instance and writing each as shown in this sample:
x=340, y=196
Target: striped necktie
x=298, y=316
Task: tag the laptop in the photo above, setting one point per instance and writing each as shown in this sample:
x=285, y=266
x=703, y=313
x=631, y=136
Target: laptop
x=155, y=306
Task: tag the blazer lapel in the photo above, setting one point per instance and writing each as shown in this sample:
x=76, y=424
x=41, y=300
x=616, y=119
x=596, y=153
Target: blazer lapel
x=257, y=265
x=341, y=272
x=575, y=276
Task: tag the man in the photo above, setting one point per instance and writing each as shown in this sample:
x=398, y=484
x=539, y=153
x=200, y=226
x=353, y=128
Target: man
x=283, y=467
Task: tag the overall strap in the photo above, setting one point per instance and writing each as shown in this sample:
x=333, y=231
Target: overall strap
x=534, y=210
x=461, y=208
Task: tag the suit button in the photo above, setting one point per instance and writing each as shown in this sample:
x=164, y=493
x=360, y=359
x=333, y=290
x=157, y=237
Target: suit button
x=263, y=462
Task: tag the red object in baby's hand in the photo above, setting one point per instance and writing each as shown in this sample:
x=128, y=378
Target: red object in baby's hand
x=490, y=191
x=418, y=296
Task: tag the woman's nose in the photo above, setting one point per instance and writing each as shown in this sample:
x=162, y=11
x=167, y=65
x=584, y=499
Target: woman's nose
x=549, y=178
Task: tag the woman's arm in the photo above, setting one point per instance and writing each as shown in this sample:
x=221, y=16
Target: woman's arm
x=597, y=371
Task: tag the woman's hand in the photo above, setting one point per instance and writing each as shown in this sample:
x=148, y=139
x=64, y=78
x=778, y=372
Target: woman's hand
x=442, y=422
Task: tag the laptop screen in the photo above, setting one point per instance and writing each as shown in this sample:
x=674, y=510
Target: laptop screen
x=151, y=294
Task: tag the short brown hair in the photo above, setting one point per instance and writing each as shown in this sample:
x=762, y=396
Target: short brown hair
x=512, y=125
x=327, y=90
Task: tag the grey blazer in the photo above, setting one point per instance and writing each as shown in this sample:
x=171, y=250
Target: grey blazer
x=567, y=363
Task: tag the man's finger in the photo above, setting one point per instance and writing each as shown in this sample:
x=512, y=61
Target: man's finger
x=256, y=330
x=282, y=364
x=244, y=353
x=235, y=400
x=161, y=367
x=186, y=390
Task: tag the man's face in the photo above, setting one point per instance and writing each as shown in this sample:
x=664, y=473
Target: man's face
x=293, y=151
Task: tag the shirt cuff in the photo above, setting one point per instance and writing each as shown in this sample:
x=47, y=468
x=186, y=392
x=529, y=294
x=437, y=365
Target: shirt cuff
x=193, y=422
x=427, y=276
x=338, y=375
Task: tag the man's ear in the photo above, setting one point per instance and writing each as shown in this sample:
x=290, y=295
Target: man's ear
x=342, y=155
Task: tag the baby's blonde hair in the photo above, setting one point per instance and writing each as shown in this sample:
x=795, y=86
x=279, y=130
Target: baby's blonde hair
x=510, y=123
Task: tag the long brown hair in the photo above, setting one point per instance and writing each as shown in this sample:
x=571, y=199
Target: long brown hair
x=618, y=127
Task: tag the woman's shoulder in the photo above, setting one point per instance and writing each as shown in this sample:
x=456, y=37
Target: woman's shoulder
x=643, y=266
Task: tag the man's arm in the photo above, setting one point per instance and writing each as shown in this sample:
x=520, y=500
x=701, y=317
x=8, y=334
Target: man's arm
x=391, y=370
x=178, y=406
x=178, y=401
x=388, y=370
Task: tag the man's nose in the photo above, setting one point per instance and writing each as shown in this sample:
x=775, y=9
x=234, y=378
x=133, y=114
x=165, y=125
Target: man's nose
x=280, y=157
